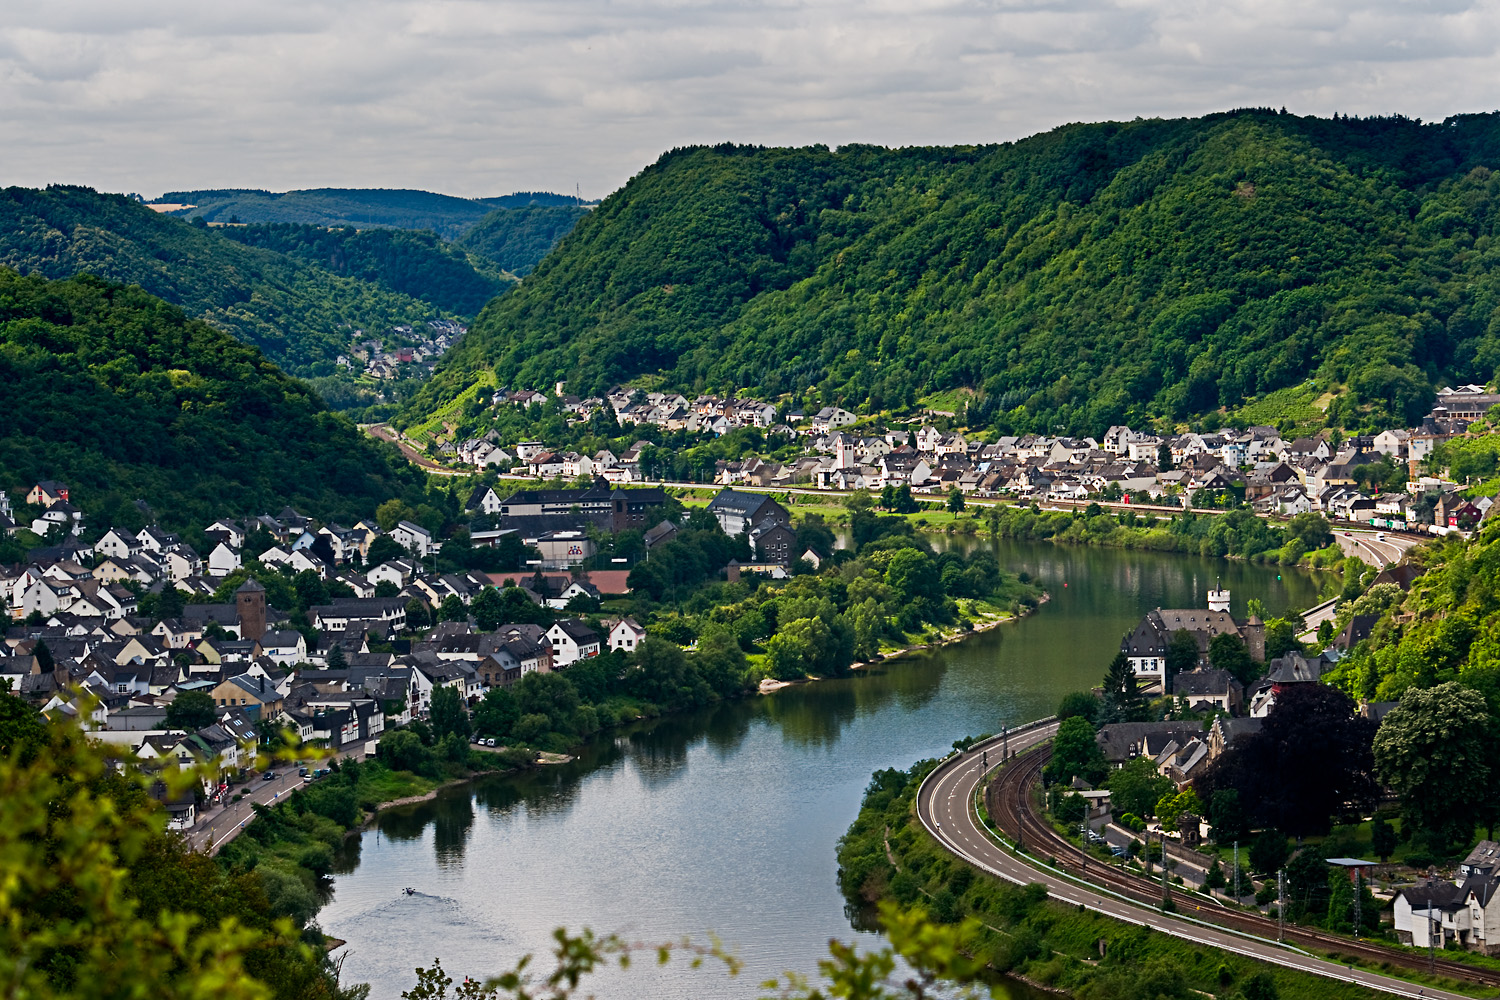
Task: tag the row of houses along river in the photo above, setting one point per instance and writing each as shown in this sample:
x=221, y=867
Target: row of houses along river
x=725, y=820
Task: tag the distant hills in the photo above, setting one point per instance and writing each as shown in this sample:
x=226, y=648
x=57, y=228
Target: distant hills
x=301, y=314
x=415, y=263
x=124, y=397
x=1093, y=275
x=516, y=239
x=448, y=216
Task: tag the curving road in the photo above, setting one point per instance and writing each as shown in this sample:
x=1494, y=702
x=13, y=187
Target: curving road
x=1378, y=552
x=945, y=805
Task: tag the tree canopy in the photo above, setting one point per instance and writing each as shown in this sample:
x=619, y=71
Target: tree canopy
x=121, y=396
x=1435, y=750
x=1309, y=762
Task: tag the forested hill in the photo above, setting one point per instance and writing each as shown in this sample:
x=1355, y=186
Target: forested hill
x=416, y=263
x=302, y=315
x=516, y=239
x=1093, y=275
x=447, y=215
x=121, y=396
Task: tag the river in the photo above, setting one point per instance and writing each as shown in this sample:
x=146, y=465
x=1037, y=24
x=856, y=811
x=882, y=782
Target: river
x=725, y=820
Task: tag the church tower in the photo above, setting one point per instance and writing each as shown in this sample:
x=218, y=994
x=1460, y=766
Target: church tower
x=250, y=603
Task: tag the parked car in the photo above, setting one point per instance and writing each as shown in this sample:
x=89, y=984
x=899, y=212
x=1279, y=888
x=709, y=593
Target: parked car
x=490, y=742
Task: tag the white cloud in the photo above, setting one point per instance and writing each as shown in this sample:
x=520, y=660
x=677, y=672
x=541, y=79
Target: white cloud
x=482, y=98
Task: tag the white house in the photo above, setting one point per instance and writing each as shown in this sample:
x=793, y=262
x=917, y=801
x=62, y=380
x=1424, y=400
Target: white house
x=1466, y=910
x=286, y=648
x=118, y=543
x=223, y=560
x=60, y=515
x=571, y=641
x=625, y=635
x=486, y=499
x=396, y=571
x=414, y=538
x=181, y=562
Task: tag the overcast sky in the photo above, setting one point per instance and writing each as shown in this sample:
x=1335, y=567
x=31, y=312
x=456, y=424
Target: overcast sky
x=485, y=98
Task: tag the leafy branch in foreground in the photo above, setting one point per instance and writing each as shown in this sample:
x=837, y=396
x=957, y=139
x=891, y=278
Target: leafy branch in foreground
x=937, y=953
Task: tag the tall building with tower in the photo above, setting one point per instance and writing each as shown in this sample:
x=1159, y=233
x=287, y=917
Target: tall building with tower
x=250, y=604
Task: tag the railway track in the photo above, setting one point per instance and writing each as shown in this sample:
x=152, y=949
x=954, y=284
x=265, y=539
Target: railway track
x=1008, y=799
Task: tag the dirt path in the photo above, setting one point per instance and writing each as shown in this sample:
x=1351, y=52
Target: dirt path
x=385, y=432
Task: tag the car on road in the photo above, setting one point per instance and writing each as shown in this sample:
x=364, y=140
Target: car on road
x=268, y=776
x=1348, y=534
x=1380, y=536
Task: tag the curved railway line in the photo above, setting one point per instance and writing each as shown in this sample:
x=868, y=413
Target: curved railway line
x=1008, y=798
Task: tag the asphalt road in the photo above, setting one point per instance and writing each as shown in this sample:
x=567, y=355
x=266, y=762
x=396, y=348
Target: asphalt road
x=945, y=807
x=218, y=827
x=1376, y=552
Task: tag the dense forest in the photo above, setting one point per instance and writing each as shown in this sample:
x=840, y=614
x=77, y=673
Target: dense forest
x=448, y=216
x=416, y=263
x=517, y=239
x=123, y=397
x=301, y=315
x=1092, y=275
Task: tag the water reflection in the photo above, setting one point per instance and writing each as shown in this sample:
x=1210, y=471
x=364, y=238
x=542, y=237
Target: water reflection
x=451, y=823
x=657, y=753
x=726, y=819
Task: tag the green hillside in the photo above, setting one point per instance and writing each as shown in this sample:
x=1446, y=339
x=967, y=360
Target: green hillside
x=446, y=215
x=1091, y=275
x=516, y=239
x=121, y=396
x=301, y=315
x=416, y=263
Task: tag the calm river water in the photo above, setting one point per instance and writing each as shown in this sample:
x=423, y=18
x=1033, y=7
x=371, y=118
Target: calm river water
x=725, y=821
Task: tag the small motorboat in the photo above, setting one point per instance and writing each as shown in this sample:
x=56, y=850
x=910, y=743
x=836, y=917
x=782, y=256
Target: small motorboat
x=410, y=891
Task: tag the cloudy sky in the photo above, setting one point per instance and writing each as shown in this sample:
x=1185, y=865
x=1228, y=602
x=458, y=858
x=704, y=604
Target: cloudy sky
x=483, y=98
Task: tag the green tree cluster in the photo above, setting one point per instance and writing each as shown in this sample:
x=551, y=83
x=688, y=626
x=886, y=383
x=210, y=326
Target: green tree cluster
x=99, y=898
x=122, y=396
x=418, y=264
x=553, y=711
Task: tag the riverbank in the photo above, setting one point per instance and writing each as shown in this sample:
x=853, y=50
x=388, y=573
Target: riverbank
x=946, y=636
x=1025, y=933
x=293, y=846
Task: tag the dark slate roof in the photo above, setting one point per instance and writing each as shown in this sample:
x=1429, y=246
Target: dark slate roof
x=578, y=630
x=1438, y=893
x=224, y=614
x=1117, y=738
x=1200, y=683
x=1237, y=729
x=1294, y=668
x=745, y=504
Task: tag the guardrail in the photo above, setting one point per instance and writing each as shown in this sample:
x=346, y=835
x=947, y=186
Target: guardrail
x=986, y=742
